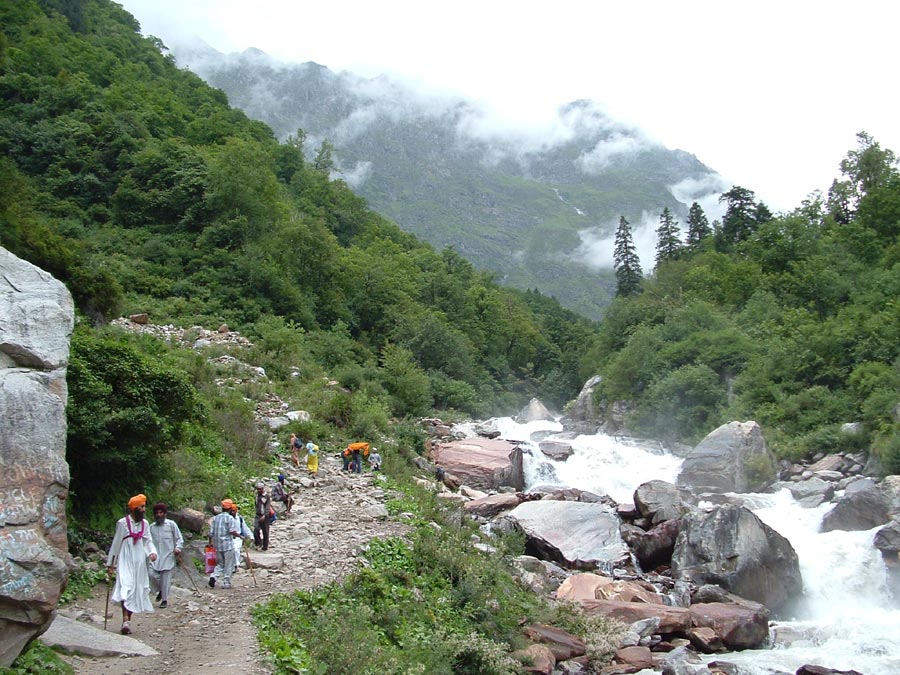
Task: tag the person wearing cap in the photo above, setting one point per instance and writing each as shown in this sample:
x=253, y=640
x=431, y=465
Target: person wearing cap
x=131, y=548
x=224, y=527
x=166, y=537
x=261, y=527
x=312, y=458
x=375, y=460
x=280, y=494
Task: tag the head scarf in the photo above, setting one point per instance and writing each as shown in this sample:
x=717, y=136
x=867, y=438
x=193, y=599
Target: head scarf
x=136, y=501
x=260, y=486
x=160, y=506
x=281, y=478
x=309, y=446
x=227, y=504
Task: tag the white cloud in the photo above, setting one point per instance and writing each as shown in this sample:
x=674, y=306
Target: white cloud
x=705, y=191
x=757, y=92
x=600, y=156
x=598, y=243
x=356, y=176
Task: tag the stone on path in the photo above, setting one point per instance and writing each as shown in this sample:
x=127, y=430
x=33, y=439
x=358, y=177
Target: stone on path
x=75, y=637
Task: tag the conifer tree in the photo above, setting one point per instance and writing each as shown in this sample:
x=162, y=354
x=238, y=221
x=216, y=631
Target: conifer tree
x=668, y=240
x=698, y=227
x=740, y=219
x=626, y=262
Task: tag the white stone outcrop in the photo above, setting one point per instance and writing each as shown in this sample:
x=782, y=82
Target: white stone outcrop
x=36, y=323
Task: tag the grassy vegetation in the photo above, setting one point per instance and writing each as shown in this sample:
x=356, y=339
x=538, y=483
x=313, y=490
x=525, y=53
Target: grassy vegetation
x=430, y=603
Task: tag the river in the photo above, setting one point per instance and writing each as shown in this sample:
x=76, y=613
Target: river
x=849, y=619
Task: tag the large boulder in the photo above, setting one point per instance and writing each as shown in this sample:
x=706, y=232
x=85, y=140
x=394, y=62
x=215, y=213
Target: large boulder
x=36, y=321
x=737, y=626
x=577, y=535
x=556, y=450
x=655, y=546
x=659, y=501
x=732, y=458
x=535, y=411
x=730, y=546
x=484, y=463
x=861, y=508
x=584, y=415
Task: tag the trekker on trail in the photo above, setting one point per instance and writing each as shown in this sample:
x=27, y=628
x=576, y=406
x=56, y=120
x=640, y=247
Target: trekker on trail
x=166, y=537
x=261, y=528
x=280, y=494
x=345, y=456
x=296, y=446
x=375, y=460
x=245, y=534
x=312, y=459
x=224, y=527
x=127, y=559
x=355, y=459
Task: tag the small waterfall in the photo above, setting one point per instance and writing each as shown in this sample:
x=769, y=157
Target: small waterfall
x=849, y=619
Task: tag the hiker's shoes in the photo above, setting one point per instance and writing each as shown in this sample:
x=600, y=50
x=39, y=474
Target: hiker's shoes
x=227, y=586
x=212, y=582
x=163, y=604
x=126, y=629
x=159, y=596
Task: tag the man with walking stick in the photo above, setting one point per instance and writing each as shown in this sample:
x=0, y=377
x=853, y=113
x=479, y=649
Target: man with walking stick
x=127, y=560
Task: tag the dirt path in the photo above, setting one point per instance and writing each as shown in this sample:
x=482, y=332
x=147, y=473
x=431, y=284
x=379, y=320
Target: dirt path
x=211, y=632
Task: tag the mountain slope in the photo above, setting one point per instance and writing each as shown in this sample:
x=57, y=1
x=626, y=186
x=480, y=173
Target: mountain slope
x=522, y=205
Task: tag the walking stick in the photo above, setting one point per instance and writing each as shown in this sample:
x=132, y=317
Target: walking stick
x=250, y=565
x=106, y=611
x=188, y=572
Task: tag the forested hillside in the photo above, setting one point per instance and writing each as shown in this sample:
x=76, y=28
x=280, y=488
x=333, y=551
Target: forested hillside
x=791, y=321
x=138, y=186
x=518, y=203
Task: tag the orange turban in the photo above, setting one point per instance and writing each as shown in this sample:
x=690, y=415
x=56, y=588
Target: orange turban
x=227, y=504
x=136, y=501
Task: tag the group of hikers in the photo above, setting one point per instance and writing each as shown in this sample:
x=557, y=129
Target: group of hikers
x=140, y=553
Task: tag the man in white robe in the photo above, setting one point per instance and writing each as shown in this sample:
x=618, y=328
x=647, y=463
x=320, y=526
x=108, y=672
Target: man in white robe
x=131, y=548
x=167, y=539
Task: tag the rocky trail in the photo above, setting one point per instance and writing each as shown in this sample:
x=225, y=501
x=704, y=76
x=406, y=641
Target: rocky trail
x=210, y=630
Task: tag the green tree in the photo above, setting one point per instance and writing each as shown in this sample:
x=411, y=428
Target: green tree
x=324, y=159
x=668, y=239
x=865, y=168
x=698, y=227
x=626, y=263
x=740, y=219
x=126, y=411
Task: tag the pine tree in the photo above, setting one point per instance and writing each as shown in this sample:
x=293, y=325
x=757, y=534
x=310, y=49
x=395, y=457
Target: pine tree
x=668, y=240
x=698, y=227
x=626, y=262
x=740, y=219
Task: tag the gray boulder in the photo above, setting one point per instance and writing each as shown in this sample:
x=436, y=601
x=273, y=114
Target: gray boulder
x=730, y=546
x=732, y=458
x=535, y=411
x=577, y=535
x=557, y=450
x=584, y=415
x=659, y=501
x=812, y=491
x=36, y=322
x=862, y=507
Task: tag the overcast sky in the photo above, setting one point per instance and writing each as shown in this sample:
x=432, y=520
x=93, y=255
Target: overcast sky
x=769, y=94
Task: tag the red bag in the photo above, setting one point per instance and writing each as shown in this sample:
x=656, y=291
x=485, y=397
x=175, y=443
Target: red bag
x=210, y=558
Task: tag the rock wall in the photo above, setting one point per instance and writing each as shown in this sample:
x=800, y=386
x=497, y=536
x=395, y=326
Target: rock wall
x=36, y=322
